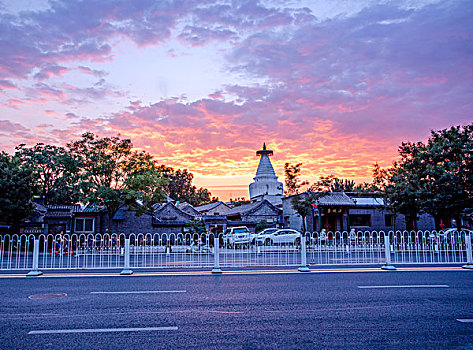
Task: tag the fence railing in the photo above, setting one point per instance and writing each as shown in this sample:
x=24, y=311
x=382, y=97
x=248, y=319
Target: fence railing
x=137, y=251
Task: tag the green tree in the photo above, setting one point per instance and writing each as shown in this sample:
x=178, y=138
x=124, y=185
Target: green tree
x=16, y=187
x=52, y=171
x=434, y=177
x=180, y=187
x=112, y=174
x=404, y=183
x=448, y=174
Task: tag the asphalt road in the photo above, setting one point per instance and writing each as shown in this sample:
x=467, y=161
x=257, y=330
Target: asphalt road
x=255, y=311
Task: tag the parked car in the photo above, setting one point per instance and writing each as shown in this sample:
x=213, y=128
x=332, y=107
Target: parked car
x=281, y=236
x=237, y=236
x=266, y=231
x=260, y=237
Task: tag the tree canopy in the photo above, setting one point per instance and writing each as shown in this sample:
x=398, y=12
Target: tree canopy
x=16, y=187
x=180, y=188
x=112, y=174
x=435, y=177
x=53, y=171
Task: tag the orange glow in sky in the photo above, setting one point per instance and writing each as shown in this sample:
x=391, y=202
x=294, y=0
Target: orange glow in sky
x=336, y=86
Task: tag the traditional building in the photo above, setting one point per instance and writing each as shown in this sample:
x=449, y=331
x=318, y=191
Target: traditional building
x=339, y=211
x=189, y=209
x=253, y=213
x=266, y=184
x=215, y=208
x=330, y=212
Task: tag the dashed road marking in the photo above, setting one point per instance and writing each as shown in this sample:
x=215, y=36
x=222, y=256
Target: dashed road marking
x=102, y=330
x=407, y=286
x=465, y=320
x=142, y=292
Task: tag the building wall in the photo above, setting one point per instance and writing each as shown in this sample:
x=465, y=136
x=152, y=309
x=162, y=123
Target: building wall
x=377, y=217
x=133, y=224
x=290, y=217
x=426, y=222
x=220, y=209
x=264, y=213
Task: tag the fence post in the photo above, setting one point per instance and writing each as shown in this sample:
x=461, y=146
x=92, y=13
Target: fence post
x=35, y=271
x=303, y=267
x=469, y=254
x=216, y=269
x=126, y=269
x=387, y=253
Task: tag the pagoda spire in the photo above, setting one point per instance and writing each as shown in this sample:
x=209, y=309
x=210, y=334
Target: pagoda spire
x=266, y=184
x=264, y=151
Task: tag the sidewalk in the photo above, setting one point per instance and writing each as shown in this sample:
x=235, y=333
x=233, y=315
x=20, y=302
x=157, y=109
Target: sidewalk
x=229, y=271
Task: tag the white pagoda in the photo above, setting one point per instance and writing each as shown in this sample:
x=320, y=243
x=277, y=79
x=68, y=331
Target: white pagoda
x=266, y=184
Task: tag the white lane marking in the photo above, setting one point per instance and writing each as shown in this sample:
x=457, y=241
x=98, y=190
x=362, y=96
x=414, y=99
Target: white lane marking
x=408, y=286
x=465, y=320
x=142, y=292
x=102, y=330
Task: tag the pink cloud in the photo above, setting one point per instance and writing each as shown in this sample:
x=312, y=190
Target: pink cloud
x=337, y=95
x=51, y=70
x=6, y=84
x=94, y=72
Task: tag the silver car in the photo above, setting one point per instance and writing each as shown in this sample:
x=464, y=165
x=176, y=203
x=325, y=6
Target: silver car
x=260, y=237
x=282, y=236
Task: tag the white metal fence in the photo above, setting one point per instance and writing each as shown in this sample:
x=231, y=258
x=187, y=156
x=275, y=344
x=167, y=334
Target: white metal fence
x=117, y=251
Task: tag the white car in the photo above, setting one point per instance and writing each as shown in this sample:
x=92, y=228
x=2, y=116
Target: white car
x=237, y=236
x=282, y=236
x=260, y=237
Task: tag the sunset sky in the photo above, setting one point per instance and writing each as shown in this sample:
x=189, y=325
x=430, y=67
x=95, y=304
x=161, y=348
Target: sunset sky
x=336, y=85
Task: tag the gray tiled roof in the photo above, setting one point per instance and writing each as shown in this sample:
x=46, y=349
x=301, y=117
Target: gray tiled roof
x=189, y=209
x=242, y=208
x=209, y=206
x=335, y=198
x=246, y=208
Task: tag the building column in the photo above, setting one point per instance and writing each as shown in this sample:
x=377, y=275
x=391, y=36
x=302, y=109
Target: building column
x=345, y=221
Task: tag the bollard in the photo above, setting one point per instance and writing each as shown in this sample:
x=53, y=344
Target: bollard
x=216, y=269
x=387, y=252
x=469, y=254
x=126, y=269
x=35, y=271
x=303, y=267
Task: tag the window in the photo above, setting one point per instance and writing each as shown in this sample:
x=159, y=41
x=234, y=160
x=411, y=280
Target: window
x=388, y=219
x=360, y=220
x=84, y=225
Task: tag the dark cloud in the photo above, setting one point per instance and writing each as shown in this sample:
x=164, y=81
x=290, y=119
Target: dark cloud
x=343, y=91
x=384, y=72
x=75, y=29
